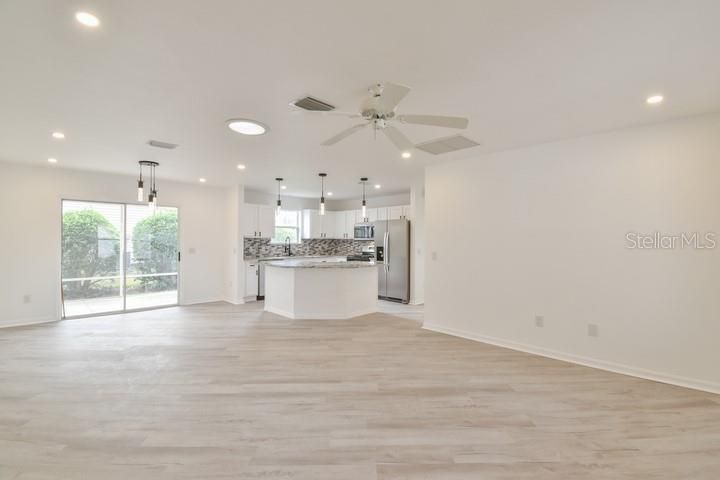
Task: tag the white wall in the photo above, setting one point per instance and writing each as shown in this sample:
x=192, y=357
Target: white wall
x=301, y=203
x=393, y=200
x=541, y=231
x=30, y=235
x=417, y=242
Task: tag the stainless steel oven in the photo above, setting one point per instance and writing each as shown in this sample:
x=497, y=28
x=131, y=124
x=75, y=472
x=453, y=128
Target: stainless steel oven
x=364, y=231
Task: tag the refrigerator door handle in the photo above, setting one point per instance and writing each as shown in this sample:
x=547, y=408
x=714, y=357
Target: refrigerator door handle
x=386, y=247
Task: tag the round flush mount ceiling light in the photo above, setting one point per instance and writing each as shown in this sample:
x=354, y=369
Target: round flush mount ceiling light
x=406, y=155
x=241, y=166
x=87, y=19
x=330, y=194
x=58, y=135
x=202, y=180
x=246, y=127
x=283, y=187
x=654, y=99
x=377, y=186
x=52, y=160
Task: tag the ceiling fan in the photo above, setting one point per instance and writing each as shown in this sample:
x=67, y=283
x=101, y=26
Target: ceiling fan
x=379, y=111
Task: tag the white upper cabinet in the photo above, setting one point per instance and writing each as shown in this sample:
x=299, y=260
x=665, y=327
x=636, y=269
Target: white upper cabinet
x=395, y=213
x=407, y=212
x=249, y=220
x=372, y=214
x=398, y=212
x=341, y=225
x=382, y=213
x=320, y=226
x=351, y=218
x=312, y=225
x=258, y=221
x=266, y=221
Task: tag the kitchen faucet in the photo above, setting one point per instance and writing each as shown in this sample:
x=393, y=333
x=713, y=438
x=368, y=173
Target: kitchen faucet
x=286, y=249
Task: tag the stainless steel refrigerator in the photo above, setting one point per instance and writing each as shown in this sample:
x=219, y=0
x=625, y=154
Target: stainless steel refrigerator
x=392, y=252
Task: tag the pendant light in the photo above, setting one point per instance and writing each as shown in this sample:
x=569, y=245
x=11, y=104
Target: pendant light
x=141, y=191
x=279, y=202
x=322, y=192
x=153, y=196
x=364, y=180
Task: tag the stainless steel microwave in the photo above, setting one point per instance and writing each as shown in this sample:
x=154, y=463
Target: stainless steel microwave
x=364, y=231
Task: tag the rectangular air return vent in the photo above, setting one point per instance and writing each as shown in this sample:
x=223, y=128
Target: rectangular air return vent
x=446, y=144
x=159, y=144
x=313, y=104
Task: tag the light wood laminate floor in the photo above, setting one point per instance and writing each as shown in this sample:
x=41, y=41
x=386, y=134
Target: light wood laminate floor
x=229, y=392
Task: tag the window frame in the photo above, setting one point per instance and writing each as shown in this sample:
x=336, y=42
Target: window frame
x=298, y=229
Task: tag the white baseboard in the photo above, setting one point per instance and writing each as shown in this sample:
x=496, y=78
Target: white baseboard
x=692, y=383
x=314, y=316
x=28, y=322
x=202, y=300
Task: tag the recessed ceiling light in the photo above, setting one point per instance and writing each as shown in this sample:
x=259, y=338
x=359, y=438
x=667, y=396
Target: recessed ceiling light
x=284, y=187
x=377, y=186
x=87, y=19
x=58, y=135
x=654, y=99
x=330, y=194
x=241, y=166
x=52, y=160
x=406, y=155
x=202, y=180
x=246, y=127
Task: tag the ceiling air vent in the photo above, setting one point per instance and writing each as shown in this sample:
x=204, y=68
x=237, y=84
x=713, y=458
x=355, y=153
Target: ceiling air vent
x=446, y=144
x=313, y=104
x=159, y=144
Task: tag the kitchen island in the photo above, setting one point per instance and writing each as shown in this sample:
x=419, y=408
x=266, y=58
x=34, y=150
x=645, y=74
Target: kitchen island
x=321, y=289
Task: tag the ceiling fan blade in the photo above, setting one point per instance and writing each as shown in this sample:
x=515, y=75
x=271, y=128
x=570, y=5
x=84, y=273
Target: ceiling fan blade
x=343, y=134
x=435, y=120
x=399, y=139
x=391, y=95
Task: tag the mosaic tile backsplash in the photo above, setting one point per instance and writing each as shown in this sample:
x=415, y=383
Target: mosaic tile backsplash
x=261, y=247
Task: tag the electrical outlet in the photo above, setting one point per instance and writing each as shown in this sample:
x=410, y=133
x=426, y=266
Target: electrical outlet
x=434, y=255
x=592, y=330
x=27, y=299
x=539, y=321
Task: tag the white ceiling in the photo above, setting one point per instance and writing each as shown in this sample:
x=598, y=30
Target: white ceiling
x=523, y=71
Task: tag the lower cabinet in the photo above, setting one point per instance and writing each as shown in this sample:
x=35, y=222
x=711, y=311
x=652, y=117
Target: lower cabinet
x=251, y=279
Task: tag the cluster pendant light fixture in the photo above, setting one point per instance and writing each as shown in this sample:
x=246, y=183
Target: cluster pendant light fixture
x=363, y=181
x=322, y=192
x=279, y=201
x=153, y=196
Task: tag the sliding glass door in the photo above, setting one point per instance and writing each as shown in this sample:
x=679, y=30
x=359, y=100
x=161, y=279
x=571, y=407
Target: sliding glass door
x=117, y=257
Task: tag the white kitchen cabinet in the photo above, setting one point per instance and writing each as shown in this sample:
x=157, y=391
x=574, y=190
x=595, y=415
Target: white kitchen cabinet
x=372, y=215
x=351, y=218
x=382, y=213
x=251, y=279
x=249, y=220
x=339, y=230
x=407, y=212
x=398, y=212
x=258, y=221
x=266, y=221
x=319, y=226
x=395, y=213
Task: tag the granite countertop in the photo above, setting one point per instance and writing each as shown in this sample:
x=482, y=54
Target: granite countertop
x=286, y=257
x=317, y=263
